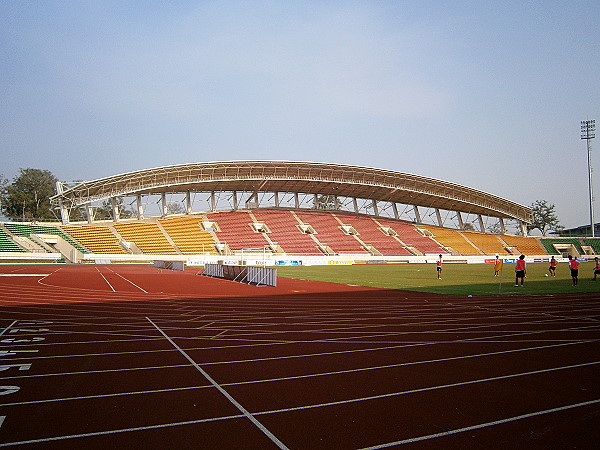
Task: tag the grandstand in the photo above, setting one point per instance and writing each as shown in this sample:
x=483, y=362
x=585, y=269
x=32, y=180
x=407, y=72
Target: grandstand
x=97, y=238
x=312, y=212
x=147, y=237
x=188, y=235
x=453, y=241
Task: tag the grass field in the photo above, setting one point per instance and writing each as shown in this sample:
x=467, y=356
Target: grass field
x=457, y=279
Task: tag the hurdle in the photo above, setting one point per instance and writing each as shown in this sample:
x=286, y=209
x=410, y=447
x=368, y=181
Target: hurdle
x=169, y=265
x=266, y=276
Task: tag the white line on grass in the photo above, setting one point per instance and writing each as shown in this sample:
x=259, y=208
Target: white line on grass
x=243, y=410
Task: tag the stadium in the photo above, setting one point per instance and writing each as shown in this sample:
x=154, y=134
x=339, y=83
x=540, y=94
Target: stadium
x=303, y=312
x=270, y=212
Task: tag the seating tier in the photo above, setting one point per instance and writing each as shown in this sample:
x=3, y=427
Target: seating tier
x=236, y=230
x=489, y=244
x=6, y=245
x=329, y=232
x=20, y=229
x=188, y=235
x=98, y=239
x=371, y=234
x=284, y=231
x=147, y=236
x=452, y=238
x=526, y=245
x=409, y=235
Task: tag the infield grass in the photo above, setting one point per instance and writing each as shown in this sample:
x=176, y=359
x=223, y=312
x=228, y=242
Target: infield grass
x=457, y=279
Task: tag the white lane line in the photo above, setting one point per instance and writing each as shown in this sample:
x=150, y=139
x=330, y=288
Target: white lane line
x=220, y=334
x=24, y=275
x=426, y=389
x=122, y=430
x=113, y=289
x=267, y=380
x=482, y=425
x=7, y=328
x=243, y=410
x=129, y=281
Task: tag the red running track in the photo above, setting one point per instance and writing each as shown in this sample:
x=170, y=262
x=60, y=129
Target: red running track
x=124, y=356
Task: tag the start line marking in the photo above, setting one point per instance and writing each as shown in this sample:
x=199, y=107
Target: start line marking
x=24, y=274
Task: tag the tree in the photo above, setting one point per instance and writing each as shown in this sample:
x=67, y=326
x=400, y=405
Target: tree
x=544, y=217
x=327, y=202
x=175, y=208
x=105, y=211
x=28, y=196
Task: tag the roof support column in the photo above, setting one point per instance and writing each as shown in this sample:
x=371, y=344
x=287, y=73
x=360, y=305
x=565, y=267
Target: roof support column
x=64, y=214
x=235, y=200
x=115, y=209
x=213, y=201
x=296, y=200
x=523, y=228
x=188, y=202
x=252, y=201
x=395, y=209
x=316, y=201
x=439, y=217
x=163, y=202
x=502, y=225
x=89, y=212
x=276, y=199
x=375, y=208
x=461, y=224
x=481, y=225
x=355, y=203
x=140, y=207
x=417, y=214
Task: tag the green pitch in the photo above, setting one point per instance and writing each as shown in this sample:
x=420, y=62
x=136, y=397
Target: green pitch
x=457, y=279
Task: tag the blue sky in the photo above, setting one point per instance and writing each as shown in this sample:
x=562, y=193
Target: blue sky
x=484, y=94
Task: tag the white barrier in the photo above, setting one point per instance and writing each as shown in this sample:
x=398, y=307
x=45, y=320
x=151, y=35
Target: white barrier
x=244, y=274
x=170, y=265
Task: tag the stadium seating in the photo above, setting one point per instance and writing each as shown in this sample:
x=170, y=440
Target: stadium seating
x=594, y=243
x=453, y=239
x=6, y=245
x=236, y=231
x=188, y=235
x=147, y=236
x=97, y=238
x=284, y=231
x=526, y=245
x=409, y=235
x=26, y=230
x=329, y=232
x=370, y=232
x=489, y=244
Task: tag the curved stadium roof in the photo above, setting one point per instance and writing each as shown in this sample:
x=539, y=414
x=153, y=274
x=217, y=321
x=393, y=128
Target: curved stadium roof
x=302, y=177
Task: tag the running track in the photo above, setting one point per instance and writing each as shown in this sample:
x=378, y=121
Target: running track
x=124, y=356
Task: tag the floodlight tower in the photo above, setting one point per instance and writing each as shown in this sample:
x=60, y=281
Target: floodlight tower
x=588, y=132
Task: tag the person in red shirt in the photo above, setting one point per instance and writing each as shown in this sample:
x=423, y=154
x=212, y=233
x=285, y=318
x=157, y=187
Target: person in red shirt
x=596, y=268
x=574, y=266
x=552, y=268
x=439, y=267
x=520, y=270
